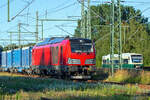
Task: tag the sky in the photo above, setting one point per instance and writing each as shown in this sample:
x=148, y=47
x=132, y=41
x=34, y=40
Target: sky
x=56, y=9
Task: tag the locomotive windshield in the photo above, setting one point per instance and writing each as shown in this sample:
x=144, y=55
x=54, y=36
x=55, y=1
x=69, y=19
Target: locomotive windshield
x=81, y=45
x=136, y=58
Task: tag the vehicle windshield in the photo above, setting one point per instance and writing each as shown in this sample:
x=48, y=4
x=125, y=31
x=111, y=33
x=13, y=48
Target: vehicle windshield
x=81, y=46
x=136, y=58
x=116, y=61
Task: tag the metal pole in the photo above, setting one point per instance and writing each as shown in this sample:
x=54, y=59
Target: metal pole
x=46, y=14
x=82, y=20
x=11, y=39
x=8, y=12
x=19, y=35
x=58, y=20
x=42, y=30
x=89, y=21
x=112, y=37
x=124, y=35
x=120, y=34
x=36, y=36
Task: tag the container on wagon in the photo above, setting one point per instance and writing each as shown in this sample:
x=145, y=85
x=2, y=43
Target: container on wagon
x=4, y=61
x=26, y=58
x=9, y=59
x=17, y=58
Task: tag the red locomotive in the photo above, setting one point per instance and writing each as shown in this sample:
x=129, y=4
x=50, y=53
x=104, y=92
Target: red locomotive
x=73, y=57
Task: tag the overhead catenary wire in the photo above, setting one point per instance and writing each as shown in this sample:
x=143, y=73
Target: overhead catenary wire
x=64, y=30
x=94, y=12
x=127, y=21
x=138, y=26
x=50, y=28
x=22, y=10
x=28, y=30
x=57, y=10
x=57, y=7
x=106, y=1
x=146, y=9
x=25, y=1
x=135, y=2
x=134, y=33
x=102, y=38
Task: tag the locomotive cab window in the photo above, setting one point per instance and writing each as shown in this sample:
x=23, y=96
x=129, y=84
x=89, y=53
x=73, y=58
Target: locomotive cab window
x=81, y=46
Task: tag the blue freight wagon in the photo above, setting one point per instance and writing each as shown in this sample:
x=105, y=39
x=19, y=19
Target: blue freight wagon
x=17, y=59
x=4, y=61
x=9, y=59
x=26, y=58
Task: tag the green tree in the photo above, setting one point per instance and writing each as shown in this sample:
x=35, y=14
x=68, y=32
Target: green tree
x=135, y=31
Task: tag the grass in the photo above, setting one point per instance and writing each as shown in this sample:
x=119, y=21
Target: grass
x=27, y=88
x=11, y=74
x=119, y=76
x=145, y=77
x=140, y=77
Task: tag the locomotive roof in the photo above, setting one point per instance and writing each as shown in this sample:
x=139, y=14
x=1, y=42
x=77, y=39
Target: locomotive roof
x=54, y=40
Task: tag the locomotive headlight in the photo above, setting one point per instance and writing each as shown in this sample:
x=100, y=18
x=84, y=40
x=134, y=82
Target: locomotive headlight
x=69, y=61
x=73, y=61
x=90, y=61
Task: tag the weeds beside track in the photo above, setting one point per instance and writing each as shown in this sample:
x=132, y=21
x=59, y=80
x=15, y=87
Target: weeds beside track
x=24, y=87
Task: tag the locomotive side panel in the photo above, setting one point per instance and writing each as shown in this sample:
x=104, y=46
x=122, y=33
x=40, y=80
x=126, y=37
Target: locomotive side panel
x=54, y=55
x=37, y=57
x=40, y=61
x=34, y=53
x=47, y=56
x=66, y=52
